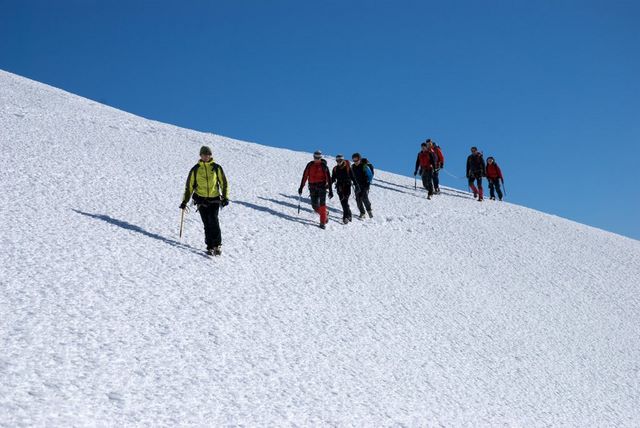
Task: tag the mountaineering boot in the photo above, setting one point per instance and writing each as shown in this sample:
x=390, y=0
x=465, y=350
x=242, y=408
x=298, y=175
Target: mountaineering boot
x=429, y=197
x=217, y=250
x=322, y=226
x=209, y=252
x=362, y=216
x=500, y=198
x=370, y=214
x=345, y=220
x=493, y=198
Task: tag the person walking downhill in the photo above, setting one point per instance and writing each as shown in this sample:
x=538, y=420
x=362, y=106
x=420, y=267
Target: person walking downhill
x=439, y=165
x=343, y=178
x=494, y=177
x=425, y=164
x=362, y=176
x=319, y=178
x=208, y=186
x=475, y=172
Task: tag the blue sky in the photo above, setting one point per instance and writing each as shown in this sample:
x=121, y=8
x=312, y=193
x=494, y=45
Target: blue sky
x=551, y=89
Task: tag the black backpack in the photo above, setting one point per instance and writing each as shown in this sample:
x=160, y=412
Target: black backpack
x=366, y=162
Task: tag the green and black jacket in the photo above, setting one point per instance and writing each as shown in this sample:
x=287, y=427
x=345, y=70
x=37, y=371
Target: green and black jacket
x=206, y=180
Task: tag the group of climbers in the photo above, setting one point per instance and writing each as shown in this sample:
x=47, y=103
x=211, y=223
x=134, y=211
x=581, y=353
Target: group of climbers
x=476, y=169
x=429, y=162
x=345, y=175
x=207, y=185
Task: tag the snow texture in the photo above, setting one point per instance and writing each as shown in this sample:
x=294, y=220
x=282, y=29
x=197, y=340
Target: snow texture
x=443, y=312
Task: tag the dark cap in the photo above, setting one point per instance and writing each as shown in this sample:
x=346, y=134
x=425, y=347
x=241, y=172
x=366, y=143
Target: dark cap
x=205, y=150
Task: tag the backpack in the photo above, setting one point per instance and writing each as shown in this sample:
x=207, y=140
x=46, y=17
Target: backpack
x=366, y=162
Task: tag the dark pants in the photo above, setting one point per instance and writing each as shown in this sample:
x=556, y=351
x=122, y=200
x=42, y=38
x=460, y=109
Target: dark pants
x=319, y=202
x=436, y=180
x=318, y=197
x=362, y=199
x=494, y=183
x=344, y=192
x=478, y=179
x=209, y=216
x=427, y=180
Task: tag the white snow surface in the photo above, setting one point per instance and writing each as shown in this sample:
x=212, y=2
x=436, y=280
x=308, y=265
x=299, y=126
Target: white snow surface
x=444, y=312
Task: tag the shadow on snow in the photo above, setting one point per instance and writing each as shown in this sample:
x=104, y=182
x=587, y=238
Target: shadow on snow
x=132, y=227
x=306, y=201
x=273, y=212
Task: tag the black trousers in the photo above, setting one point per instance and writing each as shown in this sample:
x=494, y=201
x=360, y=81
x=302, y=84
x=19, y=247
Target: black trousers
x=209, y=216
x=494, y=183
x=362, y=199
x=436, y=180
x=427, y=180
x=477, y=178
x=318, y=196
x=344, y=192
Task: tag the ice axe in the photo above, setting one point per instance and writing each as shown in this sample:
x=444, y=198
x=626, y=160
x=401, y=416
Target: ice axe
x=181, y=221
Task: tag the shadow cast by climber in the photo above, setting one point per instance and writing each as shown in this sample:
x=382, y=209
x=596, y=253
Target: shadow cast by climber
x=133, y=228
x=273, y=212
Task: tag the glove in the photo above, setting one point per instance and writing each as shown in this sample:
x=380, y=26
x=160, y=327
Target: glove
x=330, y=194
x=300, y=191
x=224, y=202
x=183, y=205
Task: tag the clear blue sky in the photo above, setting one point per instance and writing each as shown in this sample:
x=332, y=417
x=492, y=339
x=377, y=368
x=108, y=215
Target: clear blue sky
x=549, y=88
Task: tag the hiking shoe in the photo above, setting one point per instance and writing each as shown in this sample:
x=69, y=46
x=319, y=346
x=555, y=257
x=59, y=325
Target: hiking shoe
x=209, y=252
x=475, y=195
x=437, y=191
x=370, y=214
x=217, y=250
x=493, y=198
x=362, y=216
x=429, y=197
x=500, y=198
x=479, y=199
x=345, y=220
x=322, y=226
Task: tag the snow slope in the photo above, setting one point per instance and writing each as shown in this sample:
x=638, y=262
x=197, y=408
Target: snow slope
x=447, y=311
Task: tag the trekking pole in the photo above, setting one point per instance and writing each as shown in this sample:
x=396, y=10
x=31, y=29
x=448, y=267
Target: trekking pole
x=415, y=182
x=299, y=199
x=181, y=222
x=504, y=188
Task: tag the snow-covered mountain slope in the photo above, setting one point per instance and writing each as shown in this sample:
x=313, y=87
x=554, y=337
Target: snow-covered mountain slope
x=447, y=311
